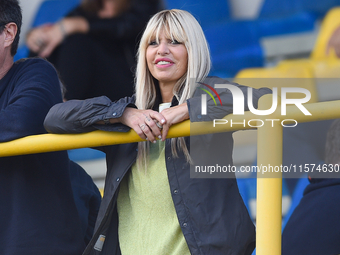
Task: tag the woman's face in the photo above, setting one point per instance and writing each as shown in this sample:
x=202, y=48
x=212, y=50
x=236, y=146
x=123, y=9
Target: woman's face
x=167, y=60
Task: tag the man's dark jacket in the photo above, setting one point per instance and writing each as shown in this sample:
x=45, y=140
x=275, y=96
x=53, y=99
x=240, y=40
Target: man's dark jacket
x=37, y=212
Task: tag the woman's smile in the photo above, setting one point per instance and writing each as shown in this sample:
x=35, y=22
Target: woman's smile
x=163, y=62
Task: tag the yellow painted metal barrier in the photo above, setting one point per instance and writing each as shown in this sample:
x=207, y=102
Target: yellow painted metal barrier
x=57, y=142
x=269, y=186
x=269, y=191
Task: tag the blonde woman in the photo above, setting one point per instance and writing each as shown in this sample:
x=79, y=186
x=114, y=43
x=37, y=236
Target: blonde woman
x=150, y=204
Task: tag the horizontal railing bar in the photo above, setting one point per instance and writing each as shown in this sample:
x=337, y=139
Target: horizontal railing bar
x=56, y=142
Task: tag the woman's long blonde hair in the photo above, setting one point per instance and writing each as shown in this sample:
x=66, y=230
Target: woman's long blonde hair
x=181, y=26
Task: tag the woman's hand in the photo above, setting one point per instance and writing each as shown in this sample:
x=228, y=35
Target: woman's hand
x=174, y=115
x=53, y=36
x=36, y=38
x=147, y=123
x=44, y=39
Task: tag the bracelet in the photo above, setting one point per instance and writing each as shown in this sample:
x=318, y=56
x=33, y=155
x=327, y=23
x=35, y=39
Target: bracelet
x=107, y=121
x=62, y=29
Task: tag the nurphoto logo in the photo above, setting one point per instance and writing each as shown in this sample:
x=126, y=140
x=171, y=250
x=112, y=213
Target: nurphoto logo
x=239, y=102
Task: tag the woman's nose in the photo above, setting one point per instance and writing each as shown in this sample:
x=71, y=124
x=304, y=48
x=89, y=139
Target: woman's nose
x=163, y=49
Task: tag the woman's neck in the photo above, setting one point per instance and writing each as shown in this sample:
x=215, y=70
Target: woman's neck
x=166, y=92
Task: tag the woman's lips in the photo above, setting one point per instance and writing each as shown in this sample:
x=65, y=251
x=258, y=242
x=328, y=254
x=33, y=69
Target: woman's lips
x=163, y=62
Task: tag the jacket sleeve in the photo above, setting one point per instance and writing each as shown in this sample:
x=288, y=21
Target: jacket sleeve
x=218, y=110
x=78, y=116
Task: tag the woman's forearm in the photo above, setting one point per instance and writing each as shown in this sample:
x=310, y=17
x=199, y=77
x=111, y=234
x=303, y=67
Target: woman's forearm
x=72, y=25
x=77, y=116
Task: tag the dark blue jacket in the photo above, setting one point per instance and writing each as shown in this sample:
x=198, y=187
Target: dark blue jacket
x=313, y=227
x=211, y=212
x=37, y=210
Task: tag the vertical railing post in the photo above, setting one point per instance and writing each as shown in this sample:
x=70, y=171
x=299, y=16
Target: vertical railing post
x=269, y=185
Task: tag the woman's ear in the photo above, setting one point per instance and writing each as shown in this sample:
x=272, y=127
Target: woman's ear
x=10, y=30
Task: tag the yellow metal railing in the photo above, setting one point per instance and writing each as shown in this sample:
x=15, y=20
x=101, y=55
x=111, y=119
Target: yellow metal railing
x=269, y=187
x=269, y=190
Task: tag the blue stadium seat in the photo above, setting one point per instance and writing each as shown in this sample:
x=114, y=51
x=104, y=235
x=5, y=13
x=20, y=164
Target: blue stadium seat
x=85, y=154
x=243, y=189
x=207, y=13
x=279, y=8
x=22, y=52
x=232, y=50
x=295, y=23
x=52, y=10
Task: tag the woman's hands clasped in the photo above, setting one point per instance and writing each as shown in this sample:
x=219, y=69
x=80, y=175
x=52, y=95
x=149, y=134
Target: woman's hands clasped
x=151, y=125
x=147, y=123
x=173, y=116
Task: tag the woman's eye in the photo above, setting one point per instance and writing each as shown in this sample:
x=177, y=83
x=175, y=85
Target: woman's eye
x=175, y=42
x=153, y=43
